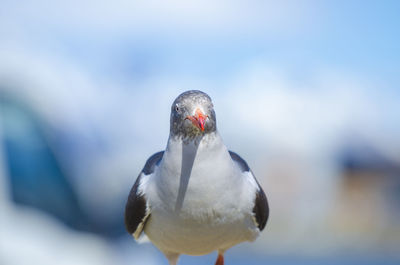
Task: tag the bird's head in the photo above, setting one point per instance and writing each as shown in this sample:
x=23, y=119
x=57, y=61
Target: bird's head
x=192, y=115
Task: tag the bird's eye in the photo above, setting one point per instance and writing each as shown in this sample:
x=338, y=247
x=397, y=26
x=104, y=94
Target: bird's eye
x=176, y=108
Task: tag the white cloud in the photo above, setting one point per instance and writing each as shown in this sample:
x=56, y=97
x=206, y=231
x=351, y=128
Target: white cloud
x=304, y=116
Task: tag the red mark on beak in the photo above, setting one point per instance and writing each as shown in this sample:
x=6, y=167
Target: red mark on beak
x=198, y=119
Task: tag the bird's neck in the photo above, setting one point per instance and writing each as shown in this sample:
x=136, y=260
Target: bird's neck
x=195, y=151
x=204, y=142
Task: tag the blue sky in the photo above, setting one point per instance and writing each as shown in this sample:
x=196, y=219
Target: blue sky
x=211, y=40
x=283, y=52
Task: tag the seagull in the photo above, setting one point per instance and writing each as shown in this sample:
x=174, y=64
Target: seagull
x=195, y=197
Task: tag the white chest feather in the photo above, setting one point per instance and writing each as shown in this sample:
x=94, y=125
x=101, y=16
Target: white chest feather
x=199, y=199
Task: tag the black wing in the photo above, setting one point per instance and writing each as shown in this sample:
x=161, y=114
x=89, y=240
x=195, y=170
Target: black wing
x=260, y=209
x=136, y=209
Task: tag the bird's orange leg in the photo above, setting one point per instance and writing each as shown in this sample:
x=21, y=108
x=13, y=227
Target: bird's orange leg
x=220, y=260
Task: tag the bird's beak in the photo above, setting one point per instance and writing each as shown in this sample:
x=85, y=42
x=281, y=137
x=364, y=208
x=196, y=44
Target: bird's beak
x=198, y=119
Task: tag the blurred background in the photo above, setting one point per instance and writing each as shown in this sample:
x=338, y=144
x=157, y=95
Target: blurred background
x=306, y=91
